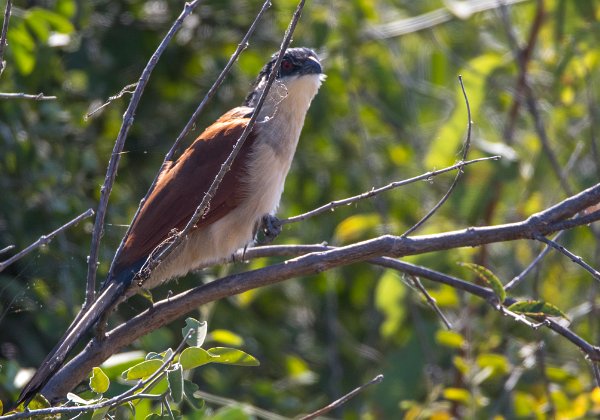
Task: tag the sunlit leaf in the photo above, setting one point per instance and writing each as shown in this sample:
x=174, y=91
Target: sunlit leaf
x=143, y=369
x=99, y=382
x=536, y=308
x=488, y=278
x=450, y=339
x=192, y=357
x=231, y=356
x=389, y=293
x=226, y=337
x=458, y=395
x=195, y=331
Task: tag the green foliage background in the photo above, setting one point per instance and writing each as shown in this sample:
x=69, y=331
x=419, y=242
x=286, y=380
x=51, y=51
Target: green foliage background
x=391, y=108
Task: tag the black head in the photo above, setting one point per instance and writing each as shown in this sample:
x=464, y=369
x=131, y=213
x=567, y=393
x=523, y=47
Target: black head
x=295, y=62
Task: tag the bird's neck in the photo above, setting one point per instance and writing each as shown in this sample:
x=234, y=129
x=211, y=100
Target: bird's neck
x=282, y=115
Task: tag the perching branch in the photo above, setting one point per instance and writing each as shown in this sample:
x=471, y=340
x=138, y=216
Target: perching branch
x=113, y=164
x=557, y=217
x=43, y=240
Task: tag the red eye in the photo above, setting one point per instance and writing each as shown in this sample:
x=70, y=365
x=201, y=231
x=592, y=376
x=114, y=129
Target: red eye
x=286, y=65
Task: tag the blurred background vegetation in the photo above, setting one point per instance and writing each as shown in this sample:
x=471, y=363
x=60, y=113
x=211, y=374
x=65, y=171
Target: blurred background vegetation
x=391, y=108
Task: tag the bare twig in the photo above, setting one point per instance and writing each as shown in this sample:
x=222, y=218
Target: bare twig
x=43, y=240
x=519, y=278
x=38, y=97
x=368, y=194
x=596, y=372
x=211, y=92
x=163, y=312
x=153, y=261
x=343, y=400
x=4, y=33
x=576, y=259
x=6, y=249
x=126, y=89
x=113, y=164
x=431, y=301
x=466, y=147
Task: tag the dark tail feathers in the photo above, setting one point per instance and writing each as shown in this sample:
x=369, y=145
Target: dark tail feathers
x=108, y=296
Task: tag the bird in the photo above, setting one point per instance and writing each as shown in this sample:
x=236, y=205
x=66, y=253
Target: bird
x=248, y=195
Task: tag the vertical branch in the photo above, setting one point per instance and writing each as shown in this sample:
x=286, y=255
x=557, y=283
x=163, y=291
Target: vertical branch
x=4, y=33
x=113, y=164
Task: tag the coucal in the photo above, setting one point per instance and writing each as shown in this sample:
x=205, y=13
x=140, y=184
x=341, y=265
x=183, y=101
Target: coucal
x=250, y=191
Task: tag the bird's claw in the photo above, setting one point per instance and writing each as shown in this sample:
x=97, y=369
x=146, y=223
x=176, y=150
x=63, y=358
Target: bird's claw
x=271, y=227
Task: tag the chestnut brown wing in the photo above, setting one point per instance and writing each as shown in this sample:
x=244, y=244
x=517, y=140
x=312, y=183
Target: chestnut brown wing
x=182, y=185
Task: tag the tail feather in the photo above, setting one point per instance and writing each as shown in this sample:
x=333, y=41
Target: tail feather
x=78, y=328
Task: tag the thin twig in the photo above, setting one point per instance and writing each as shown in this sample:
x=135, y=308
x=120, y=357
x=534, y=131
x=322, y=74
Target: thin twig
x=341, y=401
x=6, y=249
x=431, y=301
x=368, y=194
x=519, y=278
x=126, y=89
x=153, y=261
x=113, y=164
x=38, y=97
x=43, y=240
x=211, y=92
x=575, y=258
x=466, y=147
x=4, y=33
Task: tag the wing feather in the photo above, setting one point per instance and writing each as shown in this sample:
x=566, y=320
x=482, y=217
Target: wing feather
x=182, y=185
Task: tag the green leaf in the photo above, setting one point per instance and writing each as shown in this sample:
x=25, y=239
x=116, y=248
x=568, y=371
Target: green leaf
x=189, y=388
x=142, y=370
x=175, y=378
x=192, y=357
x=458, y=395
x=100, y=414
x=488, y=278
x=229, y=356
x=198, y=332
x=536, y=308
x=226, y=337
x=99, y=382
x=450, y=339
x=389, y=293
x=57, y=22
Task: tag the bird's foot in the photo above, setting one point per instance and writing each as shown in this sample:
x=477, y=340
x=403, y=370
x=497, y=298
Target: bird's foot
x=271, y=227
